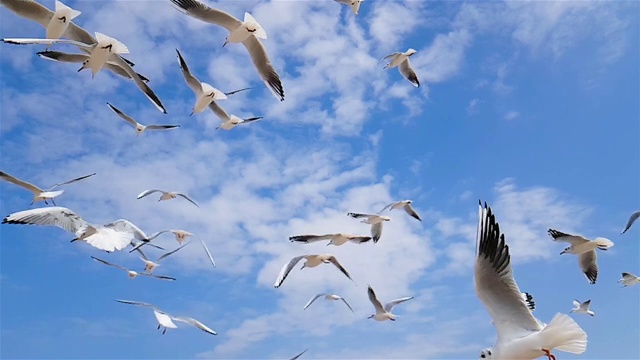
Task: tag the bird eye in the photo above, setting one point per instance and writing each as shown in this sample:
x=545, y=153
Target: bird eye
x=482, y=356
x=489, y=352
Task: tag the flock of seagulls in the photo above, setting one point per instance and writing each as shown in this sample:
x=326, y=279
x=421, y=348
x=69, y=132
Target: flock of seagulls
x=520, y=334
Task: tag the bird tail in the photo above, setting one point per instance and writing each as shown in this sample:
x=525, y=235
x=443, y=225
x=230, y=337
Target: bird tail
x=603, y=243
x=564, y=334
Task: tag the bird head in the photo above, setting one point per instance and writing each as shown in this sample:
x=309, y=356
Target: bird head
x=411, y=52
x=565, y=251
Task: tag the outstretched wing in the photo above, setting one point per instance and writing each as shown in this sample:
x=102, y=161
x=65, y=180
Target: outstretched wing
x=208, y=253
x=407, y=71
x=188, y=198
x=337, y=264
x=194, y=322
x=71, y=181
x=395, y=302
x=409, y=210
x=172, y=252
x=312, y=300
x=6, y=177
x=189, y=78
x=374, y=300
x=631, y=220
x=286, y=269
x=52, y=216
x=262, y=63
x=202, y=12
x=310, y=238
x=147, y=192
x=109, y=264
x=124, y=116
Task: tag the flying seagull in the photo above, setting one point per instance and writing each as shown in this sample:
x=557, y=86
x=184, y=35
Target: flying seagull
x=106, y=49
x=149, y=265
x=165, y=321
x=402, y=59
x=166, y=195
x=520, y=334
x=374, y=220
x=384, y=312
x=180, y=235
x=631, y=220
x=628, y=279
x=353, y=4
x=404, y=204
x=582, y=308
x=334, y=239
x=132, y=274
x=83, y=59
x=585, y=249
x=246, y=32
x=298, y=356
x=311, y=261
x=109, y=237
x=205, y=93
x=328, y=297
x=229, y=121
x=139, y=127
x=40, y=194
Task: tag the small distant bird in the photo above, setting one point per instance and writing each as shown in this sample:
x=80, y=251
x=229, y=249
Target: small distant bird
x=582, y=308
x=585, y=249
x=404, y=204
x=353, y=4
x=335, y=239
x=133, y=274
x=384, y=313
x=166, y=195
x=247, y=32
x=328, y=297
x=520, y=334
x=40, y=194
x=229, y=121
x=631, y=220
x=139, y=127
x=204, y=92
x=109, y=237
x=149, y=265
x=165, y=321
x=402, y=59
x=311, y=261
x=297, y=356
x=628, y=279
x=374, y=220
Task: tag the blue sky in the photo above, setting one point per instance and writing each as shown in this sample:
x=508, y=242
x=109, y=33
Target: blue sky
x=531, y=106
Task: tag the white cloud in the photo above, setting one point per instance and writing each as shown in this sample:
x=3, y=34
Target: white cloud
x=511, y=115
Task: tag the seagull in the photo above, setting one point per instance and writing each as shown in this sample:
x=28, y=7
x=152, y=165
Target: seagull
x=328, y=297
x=229, y=121
x=166, y=195
x=297, y=356
x=353, y=4
x=133, y=274
x=139, y=127
x=109, y=237
x=208, y=253
x=376, y=222
x=57, y=23
x=520, y=334
x=59, y=56
x=40, y=194
x=631, y=220
x=311, y=261
x=165, y=321
x=149, y=265
x=205, y=93
x=628, y=279
x=402, y=59
x=404, y=204
x=582, y=308
x=384, y=313
x=246, y=32
x=107, y=49
x=335, y=239
x=585, y=249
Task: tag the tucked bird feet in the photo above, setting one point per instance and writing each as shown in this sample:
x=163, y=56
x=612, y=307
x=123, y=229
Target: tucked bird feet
x=550, y=356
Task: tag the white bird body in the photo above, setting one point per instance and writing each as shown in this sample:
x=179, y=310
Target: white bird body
x=401, y=59
x=166, y=195
x=103, y=50
x=248, y=27
x=205, y=96
x=384, y=312
x=166, y=321
x=582, y=308
x=328, y=297
x=354, y=5
x=334, y=239
x=376, y=221
x=60, y=20
x=628, y=279
x=405, y=205
x=585, y=249
x=520, y=334
x=310, y=262
x=38, y=193
x=109, y=237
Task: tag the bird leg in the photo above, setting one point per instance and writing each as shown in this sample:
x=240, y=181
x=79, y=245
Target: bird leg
x=158, y=328
x=53, y=202
x=165, y=330
x=549, y=355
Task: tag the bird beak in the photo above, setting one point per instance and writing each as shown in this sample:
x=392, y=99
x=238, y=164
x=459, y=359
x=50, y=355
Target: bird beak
x=225, y=43
x=563, y=251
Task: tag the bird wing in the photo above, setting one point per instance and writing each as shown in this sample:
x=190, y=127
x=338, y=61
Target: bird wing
x=29, y=10
x=34, y=189
x=374, y=300
x=586, y=304
x=376, y=231
x=335, y=262
x=162, y=127
x=124, y=116
x=156, y=234
x=310, y=238
x=387, y=207
x=172, y=252
x=576, y=303
x=53, y=216
x=32, y=41
x=137, y=303
x=589, y=265
x=560, y=236
x=407, y=71
x=127, y=226
x=359, y=239
x=196, y=323
x=148, y=192
x=62, y=56
x=110, y=264
x=146, y=90
x=186, y=197
x=109, y=239
x=312, y=300
x=208, y=253
x=409, y=210
x=71, y=181
x=346, y=303
x=631, y=220
x=494, y=282
x=202, y=12
x=263, y=65
x=395, y=302
x=161, y=277
x=628, y=276
x=297, y=356
x=250, y=120
x=121, y=72
x=286, y=269
x=392, y=56
x=191, y=80
x=219, y=111
x=359, y=215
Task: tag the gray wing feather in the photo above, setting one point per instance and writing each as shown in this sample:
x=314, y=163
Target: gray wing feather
x=286, y=269
x=407, y=71
x=29, y=9
x=219, y=111
x=146, y=90
x=124, y=116
x=204, y=13
x=395, y=302
x=312, y=300
x=52, y=216
x=631, y=220
x=188, y=198
x=374, y=300
x=263, y=65
x=34, y=189
x=172, y=252
x=589, y=265
x=194, y=322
